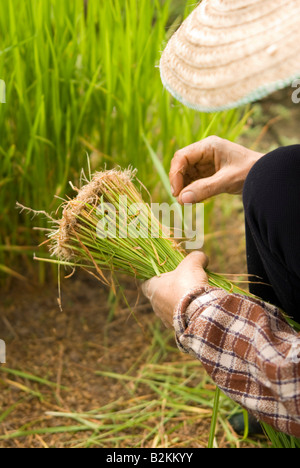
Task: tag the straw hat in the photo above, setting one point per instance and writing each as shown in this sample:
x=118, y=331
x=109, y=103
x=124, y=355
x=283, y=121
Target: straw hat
x=231, y=52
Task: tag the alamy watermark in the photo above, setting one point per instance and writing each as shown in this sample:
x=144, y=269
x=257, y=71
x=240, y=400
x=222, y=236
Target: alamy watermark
x=2, y=343
x=2, y=92
x=136, y=220
x=296, y=93
x=2, y=352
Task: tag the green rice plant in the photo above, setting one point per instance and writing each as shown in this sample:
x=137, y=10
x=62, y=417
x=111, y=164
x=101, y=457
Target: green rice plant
x=109, y=227
x=25, y=377
x=86, y=79
x=280, y=440
x=30, y=377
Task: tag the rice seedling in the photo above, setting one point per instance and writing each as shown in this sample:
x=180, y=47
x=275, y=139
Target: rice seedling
x=29, y=377
x=109, y=227
x=20, y=381
x=280, y=440
x=79, y=80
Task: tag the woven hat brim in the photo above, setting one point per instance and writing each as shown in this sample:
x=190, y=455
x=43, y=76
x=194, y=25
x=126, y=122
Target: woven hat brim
x=256, y=95
x=211, y=67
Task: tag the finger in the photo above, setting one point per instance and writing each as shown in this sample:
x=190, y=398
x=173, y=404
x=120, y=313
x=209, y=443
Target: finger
x=189, y=156
x=179, y=166
x=202, y=189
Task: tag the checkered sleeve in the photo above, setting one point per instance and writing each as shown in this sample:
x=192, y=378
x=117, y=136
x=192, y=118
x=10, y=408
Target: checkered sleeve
x=248, y=349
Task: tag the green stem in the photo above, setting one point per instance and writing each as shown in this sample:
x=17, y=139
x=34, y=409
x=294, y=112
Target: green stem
x=213, y=425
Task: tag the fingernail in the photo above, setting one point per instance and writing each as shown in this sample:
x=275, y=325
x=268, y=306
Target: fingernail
x=188, y=197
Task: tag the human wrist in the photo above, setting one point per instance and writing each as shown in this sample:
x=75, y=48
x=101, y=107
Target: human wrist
x=184, y=309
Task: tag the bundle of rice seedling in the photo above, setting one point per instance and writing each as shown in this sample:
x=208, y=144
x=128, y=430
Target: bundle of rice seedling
x=109, y=227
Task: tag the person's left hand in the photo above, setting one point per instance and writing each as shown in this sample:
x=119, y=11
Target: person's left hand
x=165, y=292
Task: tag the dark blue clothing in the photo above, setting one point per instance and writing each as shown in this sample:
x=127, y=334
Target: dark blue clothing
x=272, y=212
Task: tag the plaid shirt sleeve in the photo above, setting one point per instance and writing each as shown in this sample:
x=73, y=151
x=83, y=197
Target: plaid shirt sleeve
x=248, y=349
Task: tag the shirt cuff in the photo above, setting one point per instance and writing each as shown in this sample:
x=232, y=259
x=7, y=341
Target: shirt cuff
x=189, y=305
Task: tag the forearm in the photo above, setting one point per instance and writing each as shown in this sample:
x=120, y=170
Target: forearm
x=248, y=349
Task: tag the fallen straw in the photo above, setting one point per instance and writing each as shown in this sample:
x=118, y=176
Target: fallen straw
x=109, y=227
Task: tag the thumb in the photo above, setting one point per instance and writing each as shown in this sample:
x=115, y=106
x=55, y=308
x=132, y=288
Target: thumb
x=192, y=271
x=194, y=261
x=149, y=287
x=202, y=189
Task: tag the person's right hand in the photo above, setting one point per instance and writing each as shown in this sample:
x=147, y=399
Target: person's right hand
x=210, y=167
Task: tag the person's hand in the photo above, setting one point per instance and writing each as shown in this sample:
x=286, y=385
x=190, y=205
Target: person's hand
x=165, y=292
x=210, y=167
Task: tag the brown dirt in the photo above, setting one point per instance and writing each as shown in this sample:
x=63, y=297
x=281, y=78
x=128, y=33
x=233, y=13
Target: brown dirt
x=67, y=347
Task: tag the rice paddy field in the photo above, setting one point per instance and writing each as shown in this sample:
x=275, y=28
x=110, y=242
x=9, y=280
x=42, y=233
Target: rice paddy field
x=83, y=92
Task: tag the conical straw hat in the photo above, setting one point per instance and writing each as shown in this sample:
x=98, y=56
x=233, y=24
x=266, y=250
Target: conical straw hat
x=231, y=52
